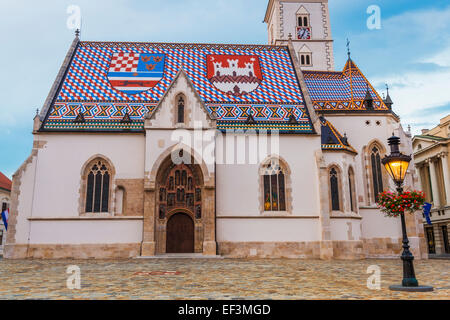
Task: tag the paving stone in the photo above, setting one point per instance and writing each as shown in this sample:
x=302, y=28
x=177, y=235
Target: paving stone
x=230, y=279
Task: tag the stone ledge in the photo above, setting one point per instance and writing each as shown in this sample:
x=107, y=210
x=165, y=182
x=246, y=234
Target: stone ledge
x=267, y=217
x=86, y=218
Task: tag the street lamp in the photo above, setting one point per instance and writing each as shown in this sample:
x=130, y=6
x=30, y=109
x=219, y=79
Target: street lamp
x=396, y=164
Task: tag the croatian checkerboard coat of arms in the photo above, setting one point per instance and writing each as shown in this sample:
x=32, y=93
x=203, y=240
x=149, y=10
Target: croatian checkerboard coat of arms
x=133, y=73
x=234, y=74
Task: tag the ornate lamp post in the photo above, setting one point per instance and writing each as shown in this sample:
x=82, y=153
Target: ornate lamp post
x=396, y=165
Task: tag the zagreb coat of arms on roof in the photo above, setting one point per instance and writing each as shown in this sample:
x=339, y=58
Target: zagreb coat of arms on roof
x=133, y=73
x=234, y=74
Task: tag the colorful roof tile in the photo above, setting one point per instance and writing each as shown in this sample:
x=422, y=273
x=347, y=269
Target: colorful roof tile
x=332, y=139
x=5, y=183
x=106, y=80
x=341, y=91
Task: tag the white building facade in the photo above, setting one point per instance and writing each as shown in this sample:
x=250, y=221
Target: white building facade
x=144, y=149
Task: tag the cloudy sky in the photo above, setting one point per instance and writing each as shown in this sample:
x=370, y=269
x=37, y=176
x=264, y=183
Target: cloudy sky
x=411, y=51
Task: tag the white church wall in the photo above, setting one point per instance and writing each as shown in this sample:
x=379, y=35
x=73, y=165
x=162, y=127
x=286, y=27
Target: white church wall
x=238, y=195
x=85, y=232
x=361, y=134
x=160, y=141
x=267, y=230
x=298, y=153
x=25, y=202
x=60, y=161
x=376, y=225
x=345, y=229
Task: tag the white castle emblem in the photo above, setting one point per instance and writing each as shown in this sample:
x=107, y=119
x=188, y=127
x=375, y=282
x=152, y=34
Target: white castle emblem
x=233, y=69
x=233, y=79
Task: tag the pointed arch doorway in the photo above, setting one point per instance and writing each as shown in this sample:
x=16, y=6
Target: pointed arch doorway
x=179, y=200
x=181, y=191
x=180, y=234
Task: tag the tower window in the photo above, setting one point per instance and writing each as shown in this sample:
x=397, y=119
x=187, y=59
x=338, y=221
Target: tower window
x=306, y=59
x=303, y=21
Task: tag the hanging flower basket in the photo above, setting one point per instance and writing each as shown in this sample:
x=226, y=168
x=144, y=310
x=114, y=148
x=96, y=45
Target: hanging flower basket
x=393, y=204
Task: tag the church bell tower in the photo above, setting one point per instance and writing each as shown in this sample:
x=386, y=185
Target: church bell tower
x=307, y=23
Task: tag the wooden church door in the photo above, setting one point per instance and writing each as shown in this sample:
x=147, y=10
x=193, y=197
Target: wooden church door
x=180, y=234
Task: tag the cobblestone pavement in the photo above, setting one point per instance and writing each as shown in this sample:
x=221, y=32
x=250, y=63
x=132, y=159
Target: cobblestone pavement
x=170, y=279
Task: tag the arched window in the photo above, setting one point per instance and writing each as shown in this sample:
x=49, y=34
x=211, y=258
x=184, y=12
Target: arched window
x=274, y=187
x=334, y=188
x=351, y=189
x=377, y=176
x=98, y=187
x=180, y=109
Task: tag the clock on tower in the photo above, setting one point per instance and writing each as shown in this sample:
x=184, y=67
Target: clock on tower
x=303, y=33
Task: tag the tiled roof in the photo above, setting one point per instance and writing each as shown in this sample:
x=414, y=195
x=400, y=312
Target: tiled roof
x=341, y=91
x=332, y=139
x=5, y=183
x=94, y=85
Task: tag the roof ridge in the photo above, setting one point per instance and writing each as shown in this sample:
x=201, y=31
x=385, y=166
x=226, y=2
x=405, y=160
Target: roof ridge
x=82, y=43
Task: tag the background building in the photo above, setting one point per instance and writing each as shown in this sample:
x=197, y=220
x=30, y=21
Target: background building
x=431, y=154
x=5, y=192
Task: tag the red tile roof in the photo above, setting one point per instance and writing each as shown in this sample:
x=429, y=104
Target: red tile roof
x=5, y=183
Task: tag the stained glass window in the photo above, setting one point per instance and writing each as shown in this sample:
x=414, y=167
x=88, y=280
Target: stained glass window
x=334, y=184
x=97, y=188
x=377, y=178
x=274, y=188
x=180, y=110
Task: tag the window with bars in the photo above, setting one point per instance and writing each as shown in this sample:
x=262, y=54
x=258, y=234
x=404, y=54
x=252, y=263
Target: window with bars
x=334, y=187
x=274, y=188
x=377, y=176
x=97, y=188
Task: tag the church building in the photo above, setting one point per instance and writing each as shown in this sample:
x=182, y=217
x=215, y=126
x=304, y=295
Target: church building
x=147, y=149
